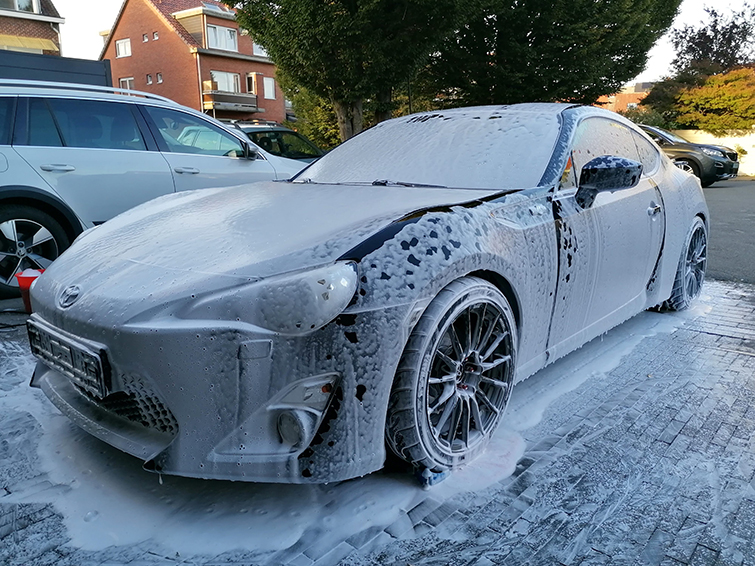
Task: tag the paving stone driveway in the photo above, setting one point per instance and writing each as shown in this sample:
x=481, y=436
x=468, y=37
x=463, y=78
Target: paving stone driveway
x=650, y=463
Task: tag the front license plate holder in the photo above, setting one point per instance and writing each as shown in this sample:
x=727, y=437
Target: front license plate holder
x=85, y=366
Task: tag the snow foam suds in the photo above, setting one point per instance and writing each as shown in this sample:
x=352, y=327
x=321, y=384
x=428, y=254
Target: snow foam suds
x=106, y=499
x=497, y=463
x=531, y=398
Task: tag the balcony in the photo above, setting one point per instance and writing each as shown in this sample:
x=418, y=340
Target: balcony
x=229, y=101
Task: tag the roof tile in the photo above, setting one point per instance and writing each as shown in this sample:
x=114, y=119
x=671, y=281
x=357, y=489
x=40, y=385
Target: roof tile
x=168, y=7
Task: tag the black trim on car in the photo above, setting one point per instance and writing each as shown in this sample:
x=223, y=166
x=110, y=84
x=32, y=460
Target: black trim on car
x=147, y=134
x=21, y=124
x=7, y=134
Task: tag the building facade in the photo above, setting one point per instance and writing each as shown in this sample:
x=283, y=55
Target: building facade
x=30, y=26
x=193, y=52
x=629, y=98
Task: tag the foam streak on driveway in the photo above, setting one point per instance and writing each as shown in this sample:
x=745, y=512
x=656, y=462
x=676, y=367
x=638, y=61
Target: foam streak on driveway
x=637, y=448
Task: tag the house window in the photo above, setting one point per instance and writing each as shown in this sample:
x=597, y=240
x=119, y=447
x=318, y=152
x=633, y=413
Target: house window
x=145, y=38
x=20, y=5
x=251, y=83
x=227, y=82
x=219, y=37
x=632, y=105
x=149, y=79
x=127, y=82
x=268, y=84
x=159, y=78
x=259, y=50
x=123, y=48
x=155, y=36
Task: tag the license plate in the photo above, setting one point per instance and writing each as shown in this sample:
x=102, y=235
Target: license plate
x=85, y=366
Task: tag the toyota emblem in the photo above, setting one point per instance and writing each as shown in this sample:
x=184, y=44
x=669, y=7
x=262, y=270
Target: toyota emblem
x=69, y=296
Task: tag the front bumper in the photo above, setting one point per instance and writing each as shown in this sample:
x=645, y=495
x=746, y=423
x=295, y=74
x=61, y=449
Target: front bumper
x=204, y=399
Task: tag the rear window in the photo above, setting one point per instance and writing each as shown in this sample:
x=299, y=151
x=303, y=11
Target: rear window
x=63, y=122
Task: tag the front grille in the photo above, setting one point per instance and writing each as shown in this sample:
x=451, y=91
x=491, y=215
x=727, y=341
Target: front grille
x=733, y=156
x=138, y=403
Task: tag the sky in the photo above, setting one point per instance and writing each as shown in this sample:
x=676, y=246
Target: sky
x=81, y=31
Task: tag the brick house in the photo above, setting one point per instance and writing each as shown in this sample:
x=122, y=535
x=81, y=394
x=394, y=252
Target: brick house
x=629, y=97
x=193, y=52
x=30, y=26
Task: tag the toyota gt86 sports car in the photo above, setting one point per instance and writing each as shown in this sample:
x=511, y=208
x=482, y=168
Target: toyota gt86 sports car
x=388, y=297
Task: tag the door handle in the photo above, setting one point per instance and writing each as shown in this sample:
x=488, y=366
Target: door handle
x=187, y=170
x=57, y=167
x=654, y=209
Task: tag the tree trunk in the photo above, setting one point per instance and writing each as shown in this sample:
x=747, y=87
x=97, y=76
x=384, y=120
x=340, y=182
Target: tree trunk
x=350, y=117
x=383, y=111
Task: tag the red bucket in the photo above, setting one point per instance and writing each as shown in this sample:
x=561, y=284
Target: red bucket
x=25, y=279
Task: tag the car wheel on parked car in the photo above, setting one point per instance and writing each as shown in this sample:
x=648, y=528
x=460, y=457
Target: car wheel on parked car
x=688, y=166
x=691, y=271
x=454, y=378
x=29, y=239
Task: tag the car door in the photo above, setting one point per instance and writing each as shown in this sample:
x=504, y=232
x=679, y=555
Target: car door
x=201, y=154
x=608, y=247
x=94, y=154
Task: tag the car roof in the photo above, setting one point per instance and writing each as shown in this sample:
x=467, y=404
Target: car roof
x=45, y=88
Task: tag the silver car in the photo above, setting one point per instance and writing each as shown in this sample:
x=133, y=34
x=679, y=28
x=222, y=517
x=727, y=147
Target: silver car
x=74, y=156
x=389, y=297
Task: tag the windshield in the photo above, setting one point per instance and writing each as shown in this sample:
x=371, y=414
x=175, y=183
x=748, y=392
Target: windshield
x=284, y=143
x=672, y=137
x=475, y=148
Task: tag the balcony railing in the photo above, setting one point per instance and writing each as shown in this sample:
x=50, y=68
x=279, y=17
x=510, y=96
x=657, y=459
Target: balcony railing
x=232, y=101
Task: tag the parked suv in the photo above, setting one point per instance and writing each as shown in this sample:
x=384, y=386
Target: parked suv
x=280, y=140
x=709, y=163
x=74, y=156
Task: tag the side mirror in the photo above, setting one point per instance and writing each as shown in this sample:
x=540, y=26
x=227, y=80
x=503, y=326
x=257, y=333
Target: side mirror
x=606, y=173
x=250, y=153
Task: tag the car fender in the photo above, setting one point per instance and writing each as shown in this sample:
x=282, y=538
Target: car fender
x=44, y=200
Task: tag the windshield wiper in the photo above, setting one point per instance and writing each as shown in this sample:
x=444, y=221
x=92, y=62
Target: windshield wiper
x=386, y=182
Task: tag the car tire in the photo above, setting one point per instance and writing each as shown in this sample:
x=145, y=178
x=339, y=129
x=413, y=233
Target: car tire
x=688, y=165
x=454, y=378
x=690, y=272
x=29, y=238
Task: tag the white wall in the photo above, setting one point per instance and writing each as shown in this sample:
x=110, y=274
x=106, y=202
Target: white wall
x=746, y=162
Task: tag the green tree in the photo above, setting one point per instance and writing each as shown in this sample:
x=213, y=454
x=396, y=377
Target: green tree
x=546, y=50
x=721, y=43
x=349, y=50
x=723, y=103
x=662, y=98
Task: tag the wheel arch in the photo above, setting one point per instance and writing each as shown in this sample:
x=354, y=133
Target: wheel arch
x=30, y=196
x=504, y=286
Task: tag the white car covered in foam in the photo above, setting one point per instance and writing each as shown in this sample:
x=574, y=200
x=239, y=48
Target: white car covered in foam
x=388, y=298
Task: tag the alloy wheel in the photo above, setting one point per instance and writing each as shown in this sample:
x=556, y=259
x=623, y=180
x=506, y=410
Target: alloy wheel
x=24, y=244
x=470, y=378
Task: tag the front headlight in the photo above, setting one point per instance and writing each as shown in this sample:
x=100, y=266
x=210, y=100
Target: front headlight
x=294, y=303
x=712, y=152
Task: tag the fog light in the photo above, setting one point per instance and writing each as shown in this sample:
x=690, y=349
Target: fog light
x=290, y=428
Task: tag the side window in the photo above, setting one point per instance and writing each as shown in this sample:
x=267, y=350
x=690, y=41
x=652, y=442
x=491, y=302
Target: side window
x=6, y=114
x=42, y=129
x=600, y=136
x=648, y=153
x=97, y=124
x=184, y=133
